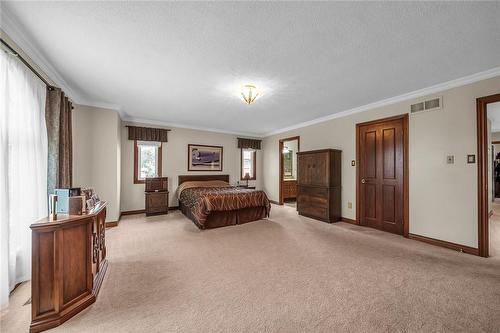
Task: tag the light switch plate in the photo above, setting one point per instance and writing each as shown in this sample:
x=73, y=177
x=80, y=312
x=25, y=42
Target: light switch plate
x=353, y=163
x=450, y=159
x=471, y=159
x=349, y=204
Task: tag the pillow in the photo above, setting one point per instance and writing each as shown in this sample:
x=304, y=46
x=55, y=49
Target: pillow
x=201, y=183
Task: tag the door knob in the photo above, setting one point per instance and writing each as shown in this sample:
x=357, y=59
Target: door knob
x=363, y=181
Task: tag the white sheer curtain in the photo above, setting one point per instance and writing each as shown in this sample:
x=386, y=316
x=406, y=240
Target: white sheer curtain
x=23, y=168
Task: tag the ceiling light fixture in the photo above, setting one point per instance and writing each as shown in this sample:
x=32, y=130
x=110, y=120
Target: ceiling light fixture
x=249, y=93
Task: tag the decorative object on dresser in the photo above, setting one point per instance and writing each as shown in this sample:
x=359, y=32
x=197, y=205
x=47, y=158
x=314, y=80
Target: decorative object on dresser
x=68, y=266
x=91, y=198
x=63, y=195
x=75, y=205
x=156, y=196
x=319, y=181
x=205, y=158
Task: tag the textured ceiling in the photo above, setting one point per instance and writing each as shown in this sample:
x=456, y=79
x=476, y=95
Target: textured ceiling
x=183, y=62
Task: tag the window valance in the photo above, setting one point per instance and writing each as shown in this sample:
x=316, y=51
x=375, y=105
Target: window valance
x=147, y=134
x=249, y=143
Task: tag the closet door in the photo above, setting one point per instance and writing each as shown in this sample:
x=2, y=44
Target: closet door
x=381, y=175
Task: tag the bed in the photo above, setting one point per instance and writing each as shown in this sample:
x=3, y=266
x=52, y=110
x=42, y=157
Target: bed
x=210, y=202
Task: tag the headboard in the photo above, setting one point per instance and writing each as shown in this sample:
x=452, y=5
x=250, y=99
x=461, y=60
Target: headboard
x=188, y=178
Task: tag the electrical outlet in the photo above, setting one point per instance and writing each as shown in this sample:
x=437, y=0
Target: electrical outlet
x=450, y=159
x=349, y=205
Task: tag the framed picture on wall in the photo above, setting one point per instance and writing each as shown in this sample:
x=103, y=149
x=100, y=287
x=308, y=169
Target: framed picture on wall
x=204, y=158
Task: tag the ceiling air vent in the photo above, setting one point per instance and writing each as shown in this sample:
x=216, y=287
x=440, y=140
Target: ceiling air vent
x=428, y=105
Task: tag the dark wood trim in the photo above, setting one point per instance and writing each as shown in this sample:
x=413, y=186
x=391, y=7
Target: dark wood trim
x=280, y=154
x=495, y=142
x=347, y=220
x=132, y=212
x=189, y=178
x=136, y=159
x=482, y=171
x=445, y=244
x=15, y=287
x=406, y=182
x=135, y=212
x=221, y=158
x=254, y=164
x=111, y=224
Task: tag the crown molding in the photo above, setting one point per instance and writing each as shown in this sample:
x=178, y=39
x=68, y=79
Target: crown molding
x=101, y=105
x=14, y=31
x=18, y=35
x=488, y=74
x=197, y=128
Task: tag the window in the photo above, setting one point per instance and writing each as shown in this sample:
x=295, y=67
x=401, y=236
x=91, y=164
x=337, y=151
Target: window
x=147, y=160
x=248, y=162
x=23, y=164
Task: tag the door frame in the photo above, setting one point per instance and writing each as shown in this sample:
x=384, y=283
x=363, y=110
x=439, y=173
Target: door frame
x=406, y=219
x=280, y=153
x=482, y=172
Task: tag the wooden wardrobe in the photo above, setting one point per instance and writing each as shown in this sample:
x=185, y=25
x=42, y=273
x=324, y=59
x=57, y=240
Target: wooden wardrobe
x=319, y=184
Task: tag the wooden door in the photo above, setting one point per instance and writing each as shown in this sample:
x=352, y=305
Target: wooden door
x=381, y=174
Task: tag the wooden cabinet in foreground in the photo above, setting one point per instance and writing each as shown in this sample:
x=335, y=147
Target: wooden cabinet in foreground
x=68, y=266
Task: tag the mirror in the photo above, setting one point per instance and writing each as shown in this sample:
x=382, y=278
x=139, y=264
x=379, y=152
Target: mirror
x=288, y=164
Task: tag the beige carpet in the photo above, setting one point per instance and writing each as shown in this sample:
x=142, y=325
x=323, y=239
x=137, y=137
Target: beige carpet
x=288, y=274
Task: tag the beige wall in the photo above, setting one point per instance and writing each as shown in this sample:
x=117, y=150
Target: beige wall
x=174, y=162
x=443, y=197
x=96, y=154
x=495, y=136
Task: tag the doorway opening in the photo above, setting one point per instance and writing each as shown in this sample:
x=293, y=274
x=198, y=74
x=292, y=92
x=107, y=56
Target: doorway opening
x=382, y=174
x=288, y=149
x=488, y=152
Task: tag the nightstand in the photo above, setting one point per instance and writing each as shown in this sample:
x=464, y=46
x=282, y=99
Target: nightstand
x=247, y=187
x=156, y=203
x=156, y=196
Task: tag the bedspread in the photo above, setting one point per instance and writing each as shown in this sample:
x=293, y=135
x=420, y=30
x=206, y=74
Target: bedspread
x=202, y=201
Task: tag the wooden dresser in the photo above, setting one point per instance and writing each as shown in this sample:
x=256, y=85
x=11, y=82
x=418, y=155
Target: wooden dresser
x=319, y=184
x=68, y=266
x=156, y=196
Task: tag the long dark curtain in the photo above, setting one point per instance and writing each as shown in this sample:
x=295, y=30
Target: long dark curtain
x=60, y=158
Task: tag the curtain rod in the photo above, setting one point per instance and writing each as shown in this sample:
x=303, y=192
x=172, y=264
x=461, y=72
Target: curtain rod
x=164, y=129
x=16, y=54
